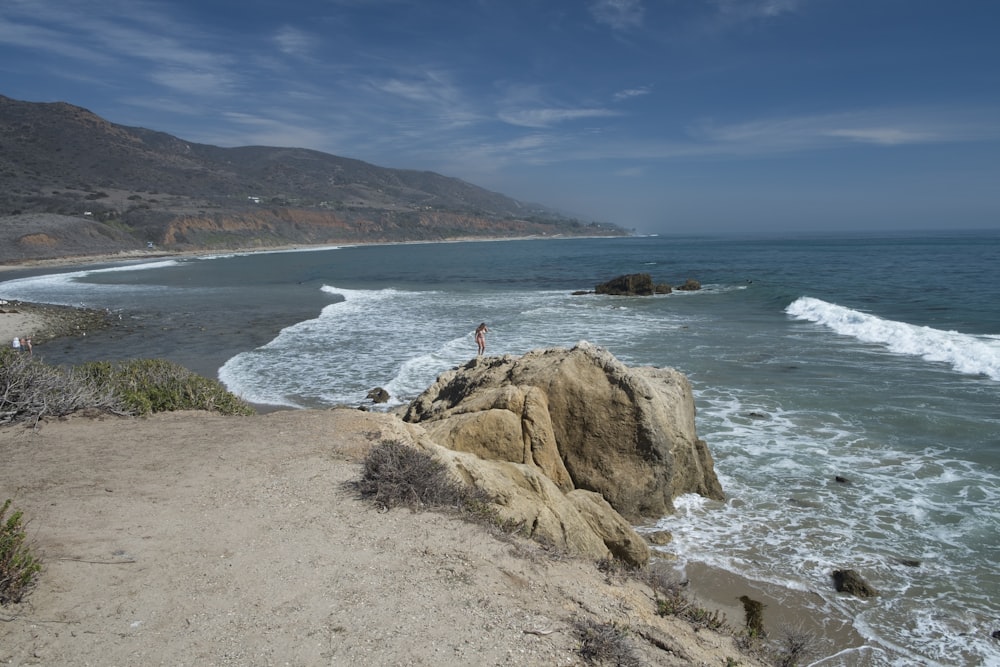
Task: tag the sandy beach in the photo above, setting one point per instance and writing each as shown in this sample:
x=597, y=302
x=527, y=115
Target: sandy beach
x=198, y=539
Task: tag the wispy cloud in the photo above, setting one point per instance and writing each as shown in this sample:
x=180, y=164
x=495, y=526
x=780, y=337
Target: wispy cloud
x=632, y=92
x=294, y=42
x=883, y=128
x=618, y=14
x=548, y=117
x=755, y=9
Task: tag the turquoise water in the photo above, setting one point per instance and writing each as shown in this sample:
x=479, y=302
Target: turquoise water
x=874, y=358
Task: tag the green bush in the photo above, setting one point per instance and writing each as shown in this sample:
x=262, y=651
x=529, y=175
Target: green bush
x=18, y=567
x=155, y=385
x=31, y=389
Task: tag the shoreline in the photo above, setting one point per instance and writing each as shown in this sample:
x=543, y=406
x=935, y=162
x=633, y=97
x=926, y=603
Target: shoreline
x=705, y=582
x=43, y=322
x=146, y=254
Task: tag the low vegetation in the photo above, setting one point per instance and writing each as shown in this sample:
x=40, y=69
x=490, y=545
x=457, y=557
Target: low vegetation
x=31, y=390
x=18, y=567
x=155, y=385
x=395, y=474
x=605, y=644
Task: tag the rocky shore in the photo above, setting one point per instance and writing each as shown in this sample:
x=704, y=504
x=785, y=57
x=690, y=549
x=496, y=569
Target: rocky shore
x=43, y=322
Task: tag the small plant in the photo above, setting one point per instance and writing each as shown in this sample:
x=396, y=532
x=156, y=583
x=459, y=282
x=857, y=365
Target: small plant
x=672, y=600
x=605, y=644
x=18, y=567
x=793, y=648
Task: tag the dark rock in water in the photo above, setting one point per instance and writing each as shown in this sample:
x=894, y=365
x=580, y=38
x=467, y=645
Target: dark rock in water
x=378, y=395
x=757, y=415
x=659, y=537
x=690, y=285
x=581, y=292
x=849, y=581
x=996, y=634
x=908, y=562
x=632, y=284
x=842, y=480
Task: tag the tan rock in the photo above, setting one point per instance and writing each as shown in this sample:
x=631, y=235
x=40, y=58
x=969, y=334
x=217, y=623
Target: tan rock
x=626, y=433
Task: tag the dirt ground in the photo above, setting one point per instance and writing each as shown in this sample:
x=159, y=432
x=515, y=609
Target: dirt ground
x=199, y=539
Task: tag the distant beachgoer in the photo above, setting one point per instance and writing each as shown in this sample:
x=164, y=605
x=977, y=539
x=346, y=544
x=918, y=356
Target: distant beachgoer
x=481, y=336
x=27, y=343
x=17, y=344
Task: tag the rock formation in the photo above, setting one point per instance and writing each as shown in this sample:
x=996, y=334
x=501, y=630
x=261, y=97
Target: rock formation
x=568, y=440
x=632, y=284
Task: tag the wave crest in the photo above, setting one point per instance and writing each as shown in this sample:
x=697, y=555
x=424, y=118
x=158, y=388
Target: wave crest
x=965, y=353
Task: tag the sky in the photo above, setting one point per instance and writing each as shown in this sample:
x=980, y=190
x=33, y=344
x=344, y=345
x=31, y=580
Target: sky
x=662, y=116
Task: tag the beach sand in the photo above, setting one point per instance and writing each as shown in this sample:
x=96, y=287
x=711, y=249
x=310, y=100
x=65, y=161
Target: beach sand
x=43, y=322
x=199, y=539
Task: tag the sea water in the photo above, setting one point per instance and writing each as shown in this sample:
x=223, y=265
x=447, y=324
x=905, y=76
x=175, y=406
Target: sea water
x=872, y=359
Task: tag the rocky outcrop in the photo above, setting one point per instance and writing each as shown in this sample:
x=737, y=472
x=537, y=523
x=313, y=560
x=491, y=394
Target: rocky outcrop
x=852, y=583
x=632, y=284
x=569, y=436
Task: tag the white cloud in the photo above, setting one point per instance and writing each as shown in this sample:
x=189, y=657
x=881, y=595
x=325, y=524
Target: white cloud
x=549, y=117
x=294, y=42
x=755, y=9
x=876, y=127
x=618, y=14
x=887, y=136
x=633, y=92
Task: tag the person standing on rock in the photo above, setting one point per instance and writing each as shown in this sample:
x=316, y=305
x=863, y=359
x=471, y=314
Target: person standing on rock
x=481, y=337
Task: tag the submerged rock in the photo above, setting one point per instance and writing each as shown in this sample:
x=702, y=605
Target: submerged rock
x=849, y=581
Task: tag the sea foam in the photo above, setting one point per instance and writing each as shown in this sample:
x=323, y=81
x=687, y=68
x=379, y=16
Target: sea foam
x=965, y=353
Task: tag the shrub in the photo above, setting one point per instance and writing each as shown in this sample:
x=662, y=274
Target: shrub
x=395, y=474
x=31, y=389
x=18, y=567
x=794, y=647
x=605, y=644
x=672, y=600
x=156, y=385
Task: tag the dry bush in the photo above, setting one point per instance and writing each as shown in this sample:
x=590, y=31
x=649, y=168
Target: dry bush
x=605, y=644
x=395, y=474
x=31, y=390
x=794, y=647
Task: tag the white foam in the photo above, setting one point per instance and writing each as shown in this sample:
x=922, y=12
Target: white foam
x=965, y=353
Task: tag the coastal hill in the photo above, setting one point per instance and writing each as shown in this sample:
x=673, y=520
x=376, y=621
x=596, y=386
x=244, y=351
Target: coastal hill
x=73, y=183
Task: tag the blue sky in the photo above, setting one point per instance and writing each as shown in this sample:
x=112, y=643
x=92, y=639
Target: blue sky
x=666, y=116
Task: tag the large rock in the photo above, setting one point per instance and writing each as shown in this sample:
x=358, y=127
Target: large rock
x=580, y=522
x=582, y=419
x=632, y=284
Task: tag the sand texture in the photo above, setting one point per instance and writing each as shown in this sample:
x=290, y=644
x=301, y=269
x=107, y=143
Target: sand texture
x=198, y=539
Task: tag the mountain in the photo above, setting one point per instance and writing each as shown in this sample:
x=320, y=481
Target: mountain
x=71, y=181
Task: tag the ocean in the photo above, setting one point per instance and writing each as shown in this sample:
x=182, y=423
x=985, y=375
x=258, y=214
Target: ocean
x=872, y=358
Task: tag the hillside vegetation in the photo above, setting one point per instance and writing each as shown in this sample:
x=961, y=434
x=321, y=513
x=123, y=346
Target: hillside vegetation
x=72, y=183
